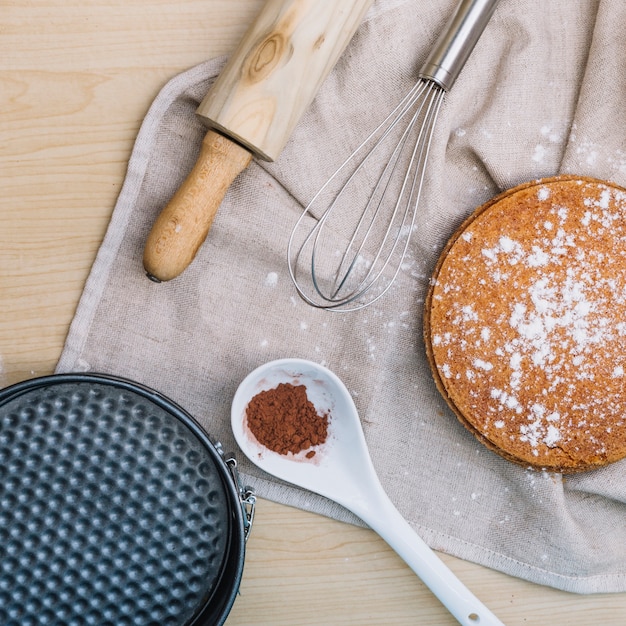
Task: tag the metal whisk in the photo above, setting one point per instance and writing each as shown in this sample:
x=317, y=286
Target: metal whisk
x=342, y=261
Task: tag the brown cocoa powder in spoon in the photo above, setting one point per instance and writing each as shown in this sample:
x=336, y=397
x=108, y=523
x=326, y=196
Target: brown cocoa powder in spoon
x=284, y=420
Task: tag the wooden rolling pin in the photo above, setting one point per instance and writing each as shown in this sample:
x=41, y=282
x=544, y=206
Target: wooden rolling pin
x=251, y=110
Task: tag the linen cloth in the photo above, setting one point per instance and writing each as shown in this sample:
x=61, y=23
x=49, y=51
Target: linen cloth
x=543, y=93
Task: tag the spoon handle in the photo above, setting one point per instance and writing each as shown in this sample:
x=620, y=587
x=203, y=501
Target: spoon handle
x=381, y=515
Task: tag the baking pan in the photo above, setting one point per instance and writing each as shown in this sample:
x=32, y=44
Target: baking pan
x=115, y=508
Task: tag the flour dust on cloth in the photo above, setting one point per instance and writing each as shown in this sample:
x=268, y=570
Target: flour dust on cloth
x=542, y=94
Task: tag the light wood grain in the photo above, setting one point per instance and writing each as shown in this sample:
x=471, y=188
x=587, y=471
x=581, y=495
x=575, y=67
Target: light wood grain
x=75, y=82
x=76, y=79
x=276, y=70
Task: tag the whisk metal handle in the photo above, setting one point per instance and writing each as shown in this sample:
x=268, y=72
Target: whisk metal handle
x=457, y=41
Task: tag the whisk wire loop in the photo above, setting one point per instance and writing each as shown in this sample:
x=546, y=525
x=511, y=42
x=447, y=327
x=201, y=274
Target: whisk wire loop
x=391, y=204
x=387, y=218
x=384, y=182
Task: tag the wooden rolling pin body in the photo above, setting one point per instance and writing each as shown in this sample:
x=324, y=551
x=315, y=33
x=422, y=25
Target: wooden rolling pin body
x=251, y=110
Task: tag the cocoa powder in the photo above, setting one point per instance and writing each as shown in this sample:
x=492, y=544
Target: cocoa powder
x=284, y=420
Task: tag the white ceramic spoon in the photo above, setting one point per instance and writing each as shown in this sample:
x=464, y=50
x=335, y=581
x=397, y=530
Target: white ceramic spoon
x=341, y=470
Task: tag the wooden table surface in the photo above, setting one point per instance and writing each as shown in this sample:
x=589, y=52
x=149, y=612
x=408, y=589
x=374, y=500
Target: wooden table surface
x=76, y=79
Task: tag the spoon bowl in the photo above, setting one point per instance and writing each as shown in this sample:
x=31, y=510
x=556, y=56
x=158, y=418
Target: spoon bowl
x=342, y=471
x=331, y=471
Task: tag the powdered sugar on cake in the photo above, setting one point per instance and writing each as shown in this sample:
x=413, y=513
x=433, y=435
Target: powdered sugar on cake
x=535, y=335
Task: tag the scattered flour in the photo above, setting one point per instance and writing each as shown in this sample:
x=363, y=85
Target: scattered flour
x=550, y=134
x=539, y=153
x=271, y=280
x=82, y=365
x=551, y=139
x=543, y=194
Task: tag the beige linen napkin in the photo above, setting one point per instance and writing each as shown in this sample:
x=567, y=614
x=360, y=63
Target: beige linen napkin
x=543, y=93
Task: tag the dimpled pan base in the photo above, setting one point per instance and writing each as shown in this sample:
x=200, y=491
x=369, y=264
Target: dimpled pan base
x=112, y=510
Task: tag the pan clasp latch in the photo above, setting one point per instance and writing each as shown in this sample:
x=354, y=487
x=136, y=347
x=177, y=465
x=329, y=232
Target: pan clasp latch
x=248, y=504
x=247, y=497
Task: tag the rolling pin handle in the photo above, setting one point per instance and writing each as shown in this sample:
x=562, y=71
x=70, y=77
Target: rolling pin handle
x=184, y=223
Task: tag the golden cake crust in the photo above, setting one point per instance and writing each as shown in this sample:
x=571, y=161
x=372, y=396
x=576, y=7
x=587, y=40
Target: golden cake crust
x=525, y=324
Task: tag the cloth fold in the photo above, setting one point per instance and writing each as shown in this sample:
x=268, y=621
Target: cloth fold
x=541, y=94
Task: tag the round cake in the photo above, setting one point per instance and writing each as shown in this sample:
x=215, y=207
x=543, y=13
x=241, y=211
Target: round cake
x=525, y=324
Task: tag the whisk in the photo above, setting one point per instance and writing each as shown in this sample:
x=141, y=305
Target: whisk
x=341, y=259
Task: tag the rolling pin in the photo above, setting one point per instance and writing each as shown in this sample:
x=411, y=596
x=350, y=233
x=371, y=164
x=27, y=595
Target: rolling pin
x=250, y=111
